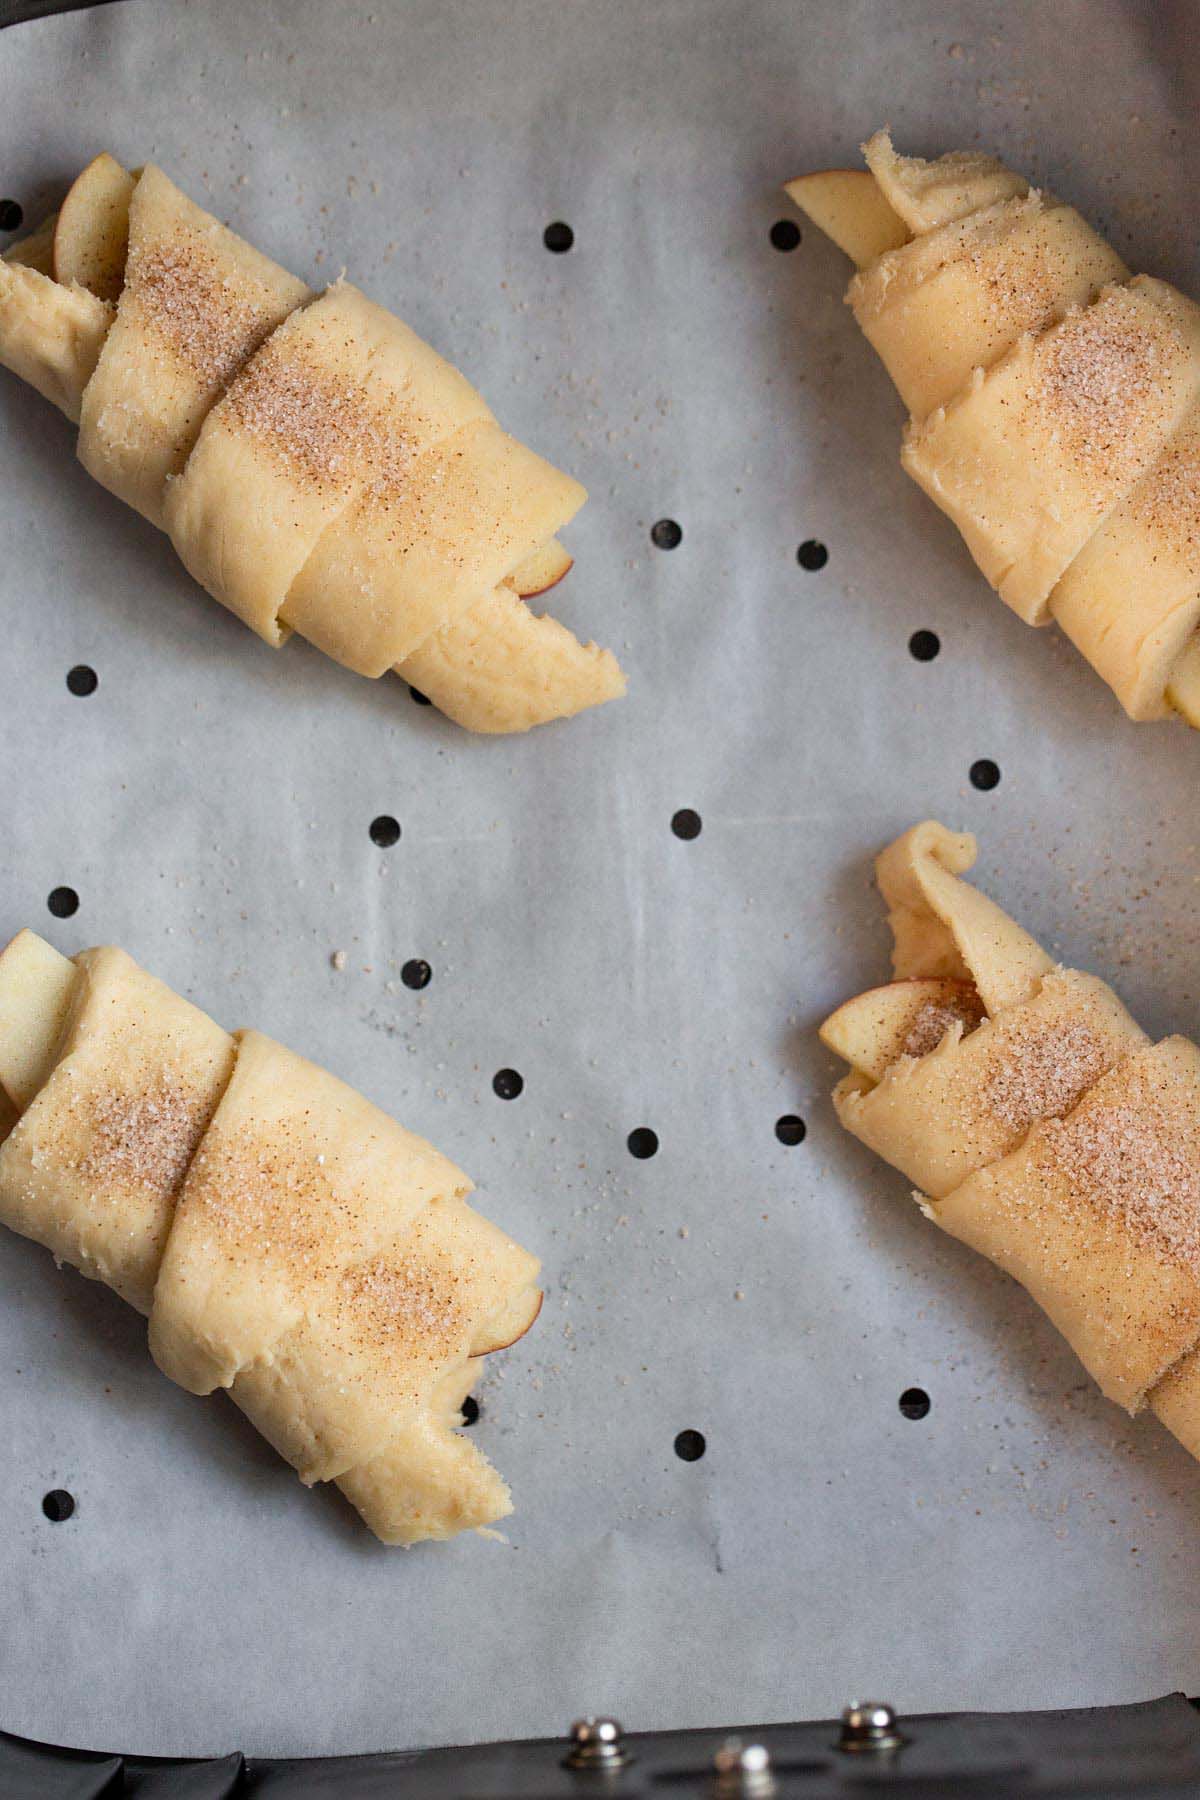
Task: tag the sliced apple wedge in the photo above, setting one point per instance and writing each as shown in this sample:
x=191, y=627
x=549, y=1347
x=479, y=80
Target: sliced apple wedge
x=1183, y=689
x=905, y=1018
x=511, y=1323
x=36, y=985
x=92, y=236
x=37, y=250
x=541, y=571
x=848, y=207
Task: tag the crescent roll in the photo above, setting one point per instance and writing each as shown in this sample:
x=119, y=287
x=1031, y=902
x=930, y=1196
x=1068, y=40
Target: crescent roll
x=317, y=466
x=284, y=1238
x=1039, y=1123
x=1054, y=402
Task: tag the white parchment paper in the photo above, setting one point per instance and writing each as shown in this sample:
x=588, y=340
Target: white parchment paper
x=1024, y=1544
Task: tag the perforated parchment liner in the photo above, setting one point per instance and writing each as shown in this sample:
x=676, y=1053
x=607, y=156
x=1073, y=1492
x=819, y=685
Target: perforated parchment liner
x=210, y=803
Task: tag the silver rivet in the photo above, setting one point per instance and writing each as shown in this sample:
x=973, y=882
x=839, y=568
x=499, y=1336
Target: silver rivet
x=869, y=1725
x=743, y=1768
x=597, y=1744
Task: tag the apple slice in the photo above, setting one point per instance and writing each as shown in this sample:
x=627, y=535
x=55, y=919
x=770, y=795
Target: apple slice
x=92, y=236
x=36, y=985
x=905, y=1018
x=541, y=571
x=509, y=1324
x=848, y=207
x=37, y=250
x=1183, y=689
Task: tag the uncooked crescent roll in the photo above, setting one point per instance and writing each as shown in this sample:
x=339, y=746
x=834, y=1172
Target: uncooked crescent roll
x=317, y=466
x=1054, y=401
x=1040, y=1123
x=285, y=1239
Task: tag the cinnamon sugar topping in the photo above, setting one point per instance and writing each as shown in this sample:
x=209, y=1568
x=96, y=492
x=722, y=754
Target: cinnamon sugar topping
x=405, y=1299
x=318, y=424
x=326, y=424
x=1100, y=374
x=212, y=320
x=937, y=1017
x=145, y=1139
x=1126, y=1158
x=265, y=1201
x=330, y=424
x=1024, y=261
x=1168, y=501
x=1042, y=1073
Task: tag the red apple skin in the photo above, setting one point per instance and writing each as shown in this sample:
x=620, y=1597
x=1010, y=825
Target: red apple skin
x=533, y=593
x=509, y=1342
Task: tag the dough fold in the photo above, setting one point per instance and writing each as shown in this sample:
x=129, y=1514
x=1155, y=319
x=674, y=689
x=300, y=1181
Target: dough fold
x=318, y=467
x=1054, y=403
x=285, y=1239
x=1039, y=1122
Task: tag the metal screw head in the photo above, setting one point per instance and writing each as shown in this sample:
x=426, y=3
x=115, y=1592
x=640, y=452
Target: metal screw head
x=743, y=1768
x=736, y=1758
x=869, y=1725
x=597, y=1744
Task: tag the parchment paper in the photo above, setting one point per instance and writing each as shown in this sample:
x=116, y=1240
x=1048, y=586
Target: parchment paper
x=1024, y=1544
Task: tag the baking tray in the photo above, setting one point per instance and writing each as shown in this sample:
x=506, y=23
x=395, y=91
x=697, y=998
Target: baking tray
x=1023, y=1543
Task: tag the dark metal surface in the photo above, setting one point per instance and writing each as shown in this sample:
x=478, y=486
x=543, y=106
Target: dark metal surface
x=14, y=12
x=1151, y=1751
x=41, y=1772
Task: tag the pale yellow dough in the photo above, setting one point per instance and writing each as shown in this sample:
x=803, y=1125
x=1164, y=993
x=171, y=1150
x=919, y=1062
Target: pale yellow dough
x=1054, y=402
x=285, y=1239
x=318, y=467
x=1041, y=1126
